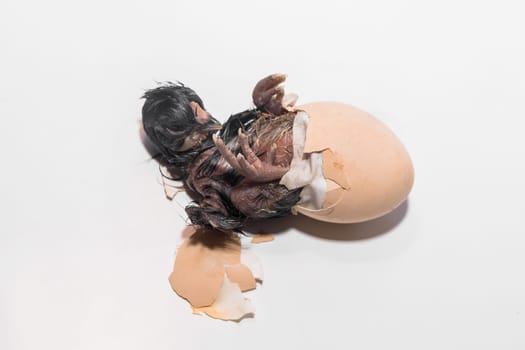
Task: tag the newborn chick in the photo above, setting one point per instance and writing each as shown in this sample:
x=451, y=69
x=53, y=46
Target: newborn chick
x=234, y=175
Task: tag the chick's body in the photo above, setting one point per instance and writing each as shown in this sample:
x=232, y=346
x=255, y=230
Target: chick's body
x=225, y=198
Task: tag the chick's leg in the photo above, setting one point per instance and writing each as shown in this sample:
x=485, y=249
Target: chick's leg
x=248, y=163
x=268, y=95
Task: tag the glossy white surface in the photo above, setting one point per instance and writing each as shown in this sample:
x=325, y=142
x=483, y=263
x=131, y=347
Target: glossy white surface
x=87, y=239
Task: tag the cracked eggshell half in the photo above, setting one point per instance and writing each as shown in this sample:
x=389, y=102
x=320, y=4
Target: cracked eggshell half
x=367, y=169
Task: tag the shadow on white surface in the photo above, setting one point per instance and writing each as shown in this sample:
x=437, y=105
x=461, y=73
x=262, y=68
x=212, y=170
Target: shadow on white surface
x=336, y=232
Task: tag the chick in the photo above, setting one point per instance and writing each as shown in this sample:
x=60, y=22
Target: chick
x=231, y=171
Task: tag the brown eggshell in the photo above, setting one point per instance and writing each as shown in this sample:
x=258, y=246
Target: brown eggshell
x=229, y=305
x=369, y=166
x=262, y=238
x=209, y=274
x=241, y=275
x=198, y=272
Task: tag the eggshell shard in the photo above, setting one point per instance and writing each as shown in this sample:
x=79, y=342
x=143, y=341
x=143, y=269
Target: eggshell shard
x=262, y=238
x=230, y=304
x=251, y=260
x=367, y=169
x=211, y=271
x=241, y=275
x=195, y=279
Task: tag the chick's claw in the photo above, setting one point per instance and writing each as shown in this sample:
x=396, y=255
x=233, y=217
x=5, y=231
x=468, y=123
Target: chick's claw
x=226, y=153
x=259, y=171
x=246, y=149
x=248, y=164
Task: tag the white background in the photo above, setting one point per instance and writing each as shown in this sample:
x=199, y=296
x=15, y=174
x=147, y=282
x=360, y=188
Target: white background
x=87, y=239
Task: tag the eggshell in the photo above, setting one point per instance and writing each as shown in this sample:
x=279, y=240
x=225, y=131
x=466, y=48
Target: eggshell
x=211, y=271
x=229, y=305
x=200, y=265
x=367, y=169
x=241, y=275
x=249, y=259
x=262, y=238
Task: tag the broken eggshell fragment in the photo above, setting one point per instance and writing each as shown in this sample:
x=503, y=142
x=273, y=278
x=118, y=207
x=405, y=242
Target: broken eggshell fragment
x=230, y=304
x=212, y=270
